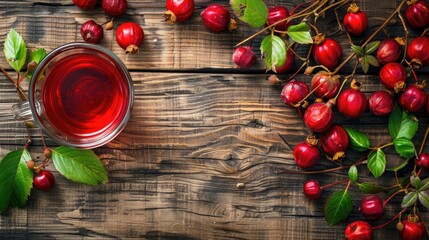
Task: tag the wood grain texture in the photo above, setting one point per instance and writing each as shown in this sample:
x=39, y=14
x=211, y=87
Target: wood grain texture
x=199, y=127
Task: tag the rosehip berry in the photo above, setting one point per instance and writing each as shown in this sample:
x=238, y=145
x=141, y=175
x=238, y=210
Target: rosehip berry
x=306, y=155
x=324, y=85
x=393, y=76
x=216, y=17
x=114, y=8
x=244, y=57
x=85, y=4
x=414, y=229
x=30, y=164
x=334, y=141
x=388, y=51
x=358, y=230
x=179, y=10
x=288, y=65
x=276, y=14
x=413, y=99
x=91, y=32
x=130, y=36
x=355, y=21
x=418, y=50
x=47, y=152
x=294, y=92
x=423, y=161
x=417, y=14
x=312, y=189
x=352, y=103
x=381, y=103
x=319, y=117
x=44, y=181
x=327, y=52
x=372, y=207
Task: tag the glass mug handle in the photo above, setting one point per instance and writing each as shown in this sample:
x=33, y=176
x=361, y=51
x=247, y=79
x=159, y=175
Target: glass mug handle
x=22, y=111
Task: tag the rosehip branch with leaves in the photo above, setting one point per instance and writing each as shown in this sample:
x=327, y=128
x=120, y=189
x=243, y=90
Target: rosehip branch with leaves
x=396, y=60
x=19, y=172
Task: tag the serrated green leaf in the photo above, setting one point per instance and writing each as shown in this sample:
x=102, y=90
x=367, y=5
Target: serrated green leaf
x=37, y=55
x=252, y=12
x=424, y=199
x=81, y=166
x=425, y=185
x=377, y=162
x=402, y=124
x=16, y=179
x=358, y=50
x=273, y=50
x=409, y=199
x=300, y=33
x=338, y=207
x=417, y=182
x=404, y=147
x=353, y=173
x=15, y=50
x=372, y=60
x=365, y=65
x=358, y=140
x=370, y=188
x=372, y=47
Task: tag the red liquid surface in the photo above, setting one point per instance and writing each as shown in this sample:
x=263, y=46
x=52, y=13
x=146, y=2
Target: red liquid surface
x=84, y=96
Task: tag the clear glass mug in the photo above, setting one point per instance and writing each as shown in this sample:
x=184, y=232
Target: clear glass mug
x=80, y=95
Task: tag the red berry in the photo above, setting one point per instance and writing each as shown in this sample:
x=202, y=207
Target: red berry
x=85, y=4
x=355, y=21
x=418, y=49
x=91, y=32
x=44, y=181
x=276, y=14
x=319, y=116
x=358, y=230
x=334, y=141
x=388, y=51
x=244, y=57
x=327, y=86
x=423, y=161
x=288, y=65
x=372, y=207
x=413, y=99
x=114, y=7
x=130, y=36
x=293, y=92
x=417, y=14
x=414, y=229
x=393, y=76
x=306, y=155
x=215, y=17
x=312, y=189
x=327, y=52
x=179, y=10
x=381, y=103
x=352, y=103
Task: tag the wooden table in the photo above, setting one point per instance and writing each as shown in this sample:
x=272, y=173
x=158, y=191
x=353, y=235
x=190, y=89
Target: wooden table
x=200, y=156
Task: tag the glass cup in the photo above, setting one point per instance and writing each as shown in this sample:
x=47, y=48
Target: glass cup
x=80, y=95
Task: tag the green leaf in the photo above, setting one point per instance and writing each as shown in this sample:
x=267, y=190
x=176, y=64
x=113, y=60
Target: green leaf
x=372, y=60
x=425, y=185
x=358, y=140
x=404, y=147
x=16, y=180
x=273, y=50
x=402, y=165
x=252, y=12
x=300, y=33
x=402, y=124
x=372, y=47
x=377, y=162
x=353, y=173
x=370, y=188
x=338, y=207
x=37, y=55
x=424, y=199
x=15, y=50
x=358, y=50
x=417, y=182
x=409, y=199
x=81, y=166
x=365, y=65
